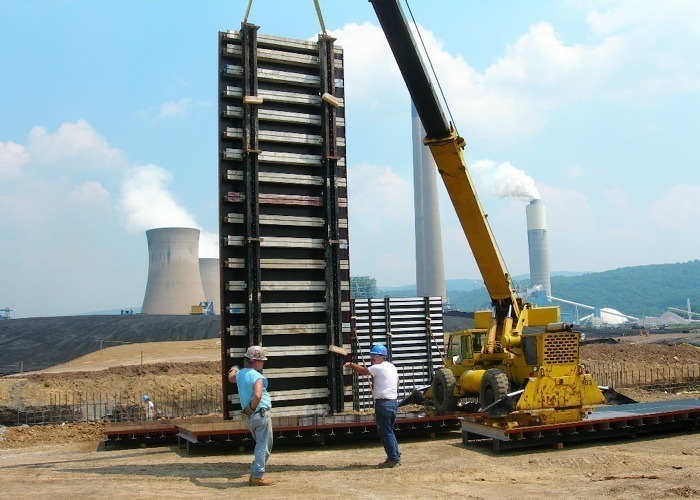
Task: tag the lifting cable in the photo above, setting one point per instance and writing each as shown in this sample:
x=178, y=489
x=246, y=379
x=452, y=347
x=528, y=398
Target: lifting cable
x=318, y=13
x=320, y=17
x=247, y=11
x=447, y=105
x=432, y=68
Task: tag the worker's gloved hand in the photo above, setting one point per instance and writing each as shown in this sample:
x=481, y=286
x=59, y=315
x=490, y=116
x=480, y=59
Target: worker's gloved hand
x=247, y=411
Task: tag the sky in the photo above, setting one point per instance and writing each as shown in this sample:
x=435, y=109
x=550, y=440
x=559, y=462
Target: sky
x=109, y=128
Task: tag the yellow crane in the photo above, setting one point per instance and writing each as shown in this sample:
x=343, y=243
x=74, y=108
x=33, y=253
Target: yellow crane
x=520, y=360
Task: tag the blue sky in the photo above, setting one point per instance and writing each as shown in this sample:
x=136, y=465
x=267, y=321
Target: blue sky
x=109, y=128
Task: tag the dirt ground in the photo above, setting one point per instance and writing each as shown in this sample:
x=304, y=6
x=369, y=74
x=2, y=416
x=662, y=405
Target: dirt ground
x=67, y=461
x=666, y=467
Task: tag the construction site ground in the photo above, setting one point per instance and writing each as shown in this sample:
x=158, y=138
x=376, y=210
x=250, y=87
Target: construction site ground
x=68, y=461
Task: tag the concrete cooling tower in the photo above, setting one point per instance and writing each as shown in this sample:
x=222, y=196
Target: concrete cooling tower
x=538, y=246
x=209, y=271
x=430, y=268
x=174, y=283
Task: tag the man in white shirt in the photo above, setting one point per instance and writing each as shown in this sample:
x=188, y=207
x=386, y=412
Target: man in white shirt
x=385, y=388
x=150, y=407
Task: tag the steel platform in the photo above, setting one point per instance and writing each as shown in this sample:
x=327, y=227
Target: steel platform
x=114, y=432
x=288, y=429
x=603, y=422
x=315, y=428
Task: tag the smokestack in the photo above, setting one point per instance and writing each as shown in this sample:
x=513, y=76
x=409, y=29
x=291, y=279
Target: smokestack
x=538, y=246
x=209, y=271
x=174, y=283
x=430, y=268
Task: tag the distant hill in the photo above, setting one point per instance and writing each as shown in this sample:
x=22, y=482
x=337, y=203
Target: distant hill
x=637, y=291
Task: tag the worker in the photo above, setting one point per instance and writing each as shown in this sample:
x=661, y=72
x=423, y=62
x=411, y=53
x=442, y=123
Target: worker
x=256, y=404
x=385, y=391
x=150, y=407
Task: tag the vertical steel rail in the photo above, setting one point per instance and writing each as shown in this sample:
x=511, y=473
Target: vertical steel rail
x=428, y=336
x=334, y=319
x=251, y=150
x=387, y=316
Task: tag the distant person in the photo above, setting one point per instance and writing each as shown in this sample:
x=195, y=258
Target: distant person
x=150, y=407
x=385, y=391
x=256, y=404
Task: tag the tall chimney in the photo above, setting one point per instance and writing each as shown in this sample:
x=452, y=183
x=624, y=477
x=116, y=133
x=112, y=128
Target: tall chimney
x=174, y=283
x=538, y=246
x=209, y=271
x=430, y=268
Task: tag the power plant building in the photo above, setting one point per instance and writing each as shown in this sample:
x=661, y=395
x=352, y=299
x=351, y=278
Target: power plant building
x=209, y=271
x=430, y=268
x=538, y=246
x=174, y=282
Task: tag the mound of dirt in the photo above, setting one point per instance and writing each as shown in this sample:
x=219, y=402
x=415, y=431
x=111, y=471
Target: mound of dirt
x=24, y=435
x=62, y=339
x=644, y=355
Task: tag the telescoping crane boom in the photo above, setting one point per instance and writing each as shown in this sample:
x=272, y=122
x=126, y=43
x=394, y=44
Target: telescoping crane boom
x=497, y=356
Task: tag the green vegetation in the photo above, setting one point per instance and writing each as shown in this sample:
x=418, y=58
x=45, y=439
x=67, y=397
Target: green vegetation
x=637, y=291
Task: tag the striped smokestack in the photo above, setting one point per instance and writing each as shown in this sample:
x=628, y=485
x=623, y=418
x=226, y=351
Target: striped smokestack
x=430, y=268
x=538, y=246
x=174, y=283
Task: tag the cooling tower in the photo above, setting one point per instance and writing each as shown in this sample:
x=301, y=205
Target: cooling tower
x=209, y=271
x=174, y=283
x=538, y=246
x=430, y=268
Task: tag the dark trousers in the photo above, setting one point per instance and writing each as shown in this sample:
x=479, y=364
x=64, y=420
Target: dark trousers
x=385, y=415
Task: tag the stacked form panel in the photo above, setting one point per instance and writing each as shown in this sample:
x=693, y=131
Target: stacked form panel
x=283, y=216
x=412, y=330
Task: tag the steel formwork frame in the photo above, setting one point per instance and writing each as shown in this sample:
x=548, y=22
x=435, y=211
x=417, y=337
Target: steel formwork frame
x=412, y=330
x=283, y=216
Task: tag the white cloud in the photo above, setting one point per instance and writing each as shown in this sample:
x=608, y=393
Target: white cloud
x=618, y=199
x=90, y=192
x=504, y=180
x=12, y=158
x=575, y=171
x=174, y=108
x=539, y=73
x=381, y=225
x=368, y=60
x=180, y=108
x=378, y=189
x=208, y=245
x=147, y=203
x=74, y=146
x=677, y=209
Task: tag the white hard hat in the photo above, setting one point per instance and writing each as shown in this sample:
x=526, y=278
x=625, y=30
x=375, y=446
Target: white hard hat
x=256, y=352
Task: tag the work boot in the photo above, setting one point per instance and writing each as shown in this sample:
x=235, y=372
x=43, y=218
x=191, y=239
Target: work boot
x=389, y=464
x=259, y=481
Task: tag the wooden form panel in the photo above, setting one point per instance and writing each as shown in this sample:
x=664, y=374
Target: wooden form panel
x=283, y=216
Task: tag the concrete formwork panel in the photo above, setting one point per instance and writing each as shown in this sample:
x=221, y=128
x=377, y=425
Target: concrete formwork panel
x=283, y=216
x=412, y=330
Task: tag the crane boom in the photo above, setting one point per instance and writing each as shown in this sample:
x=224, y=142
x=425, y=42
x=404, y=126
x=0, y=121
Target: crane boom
x=446, y=147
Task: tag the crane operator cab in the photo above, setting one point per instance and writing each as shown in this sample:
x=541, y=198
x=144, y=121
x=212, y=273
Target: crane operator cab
x=464, y=345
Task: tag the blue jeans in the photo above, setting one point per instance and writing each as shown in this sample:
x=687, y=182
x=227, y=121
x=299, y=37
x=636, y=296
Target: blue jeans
x=385, y=415
x=261, y=428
